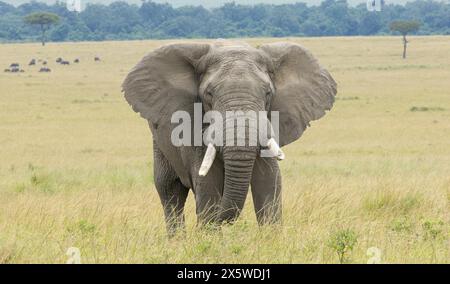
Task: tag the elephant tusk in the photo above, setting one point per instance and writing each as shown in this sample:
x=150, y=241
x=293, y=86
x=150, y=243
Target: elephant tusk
x=275, y=149
x=208, y=160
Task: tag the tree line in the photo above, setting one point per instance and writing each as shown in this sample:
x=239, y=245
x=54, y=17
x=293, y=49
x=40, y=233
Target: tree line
x=150, y=20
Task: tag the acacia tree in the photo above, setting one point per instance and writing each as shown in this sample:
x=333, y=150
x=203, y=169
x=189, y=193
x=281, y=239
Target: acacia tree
x=404, y=27
x=44, y=20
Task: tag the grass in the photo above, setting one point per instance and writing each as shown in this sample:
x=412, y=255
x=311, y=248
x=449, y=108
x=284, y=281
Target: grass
x=76, y=163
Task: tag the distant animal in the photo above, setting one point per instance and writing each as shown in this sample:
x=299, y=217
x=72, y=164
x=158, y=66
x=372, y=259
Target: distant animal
x=14, y=65
x=7, y=71
x=59, y=59
x=76, y=60
x=45, y=69
x=22, y=71
x=32, y=62
x=97, y=58
x=44, y=63
x=64, y=62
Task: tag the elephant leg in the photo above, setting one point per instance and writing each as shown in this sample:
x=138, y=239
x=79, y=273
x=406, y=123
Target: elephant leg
x=208, y=194
x=207, y=201
x=266, y=190
x=171, y=191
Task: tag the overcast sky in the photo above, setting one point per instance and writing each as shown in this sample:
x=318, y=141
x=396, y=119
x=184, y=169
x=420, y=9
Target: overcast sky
x=207, y=3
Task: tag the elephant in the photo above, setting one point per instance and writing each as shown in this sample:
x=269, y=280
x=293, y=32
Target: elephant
x=225, y=76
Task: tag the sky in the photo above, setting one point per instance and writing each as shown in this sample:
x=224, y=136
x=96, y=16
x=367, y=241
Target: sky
x=208, y=3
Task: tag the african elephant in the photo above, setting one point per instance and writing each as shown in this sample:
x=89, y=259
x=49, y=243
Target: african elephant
x=225, y=76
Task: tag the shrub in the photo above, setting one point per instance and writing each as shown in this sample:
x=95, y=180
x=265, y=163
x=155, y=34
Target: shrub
x=342, y=242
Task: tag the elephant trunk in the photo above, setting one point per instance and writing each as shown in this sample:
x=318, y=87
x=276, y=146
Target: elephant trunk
x=238, y=166
x=239, y=155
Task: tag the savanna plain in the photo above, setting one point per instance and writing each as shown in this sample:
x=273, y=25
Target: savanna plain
x=76, y=163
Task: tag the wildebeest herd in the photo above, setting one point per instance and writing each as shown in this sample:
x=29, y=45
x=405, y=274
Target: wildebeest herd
x=15, y=67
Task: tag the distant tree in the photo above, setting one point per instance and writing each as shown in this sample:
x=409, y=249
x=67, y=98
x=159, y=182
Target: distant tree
x=42, y=19
x=155, y=13
x=60, y=33
x=370, y=23
x=97, y=18
x=404, y=27
x=180, y=27
x=120, y=20
x=6, y=8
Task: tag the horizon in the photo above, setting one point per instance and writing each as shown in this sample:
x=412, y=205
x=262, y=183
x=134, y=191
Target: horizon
x=206, y=3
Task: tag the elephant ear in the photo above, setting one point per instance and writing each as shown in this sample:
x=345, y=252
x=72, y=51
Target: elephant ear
x=164, y=81
x=304, y=90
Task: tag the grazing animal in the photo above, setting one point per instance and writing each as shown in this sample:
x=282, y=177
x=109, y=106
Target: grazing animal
x=97, y=58
x=32, y=62
x=284, y=78
x=22, y=71
x=65, y=62
x=45, y=69
x=7, y=71
x=76, y=61
x=59, y=59
x=44, y=63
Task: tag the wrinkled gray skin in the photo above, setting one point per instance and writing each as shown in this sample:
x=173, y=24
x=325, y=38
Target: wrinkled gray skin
x=225, y=76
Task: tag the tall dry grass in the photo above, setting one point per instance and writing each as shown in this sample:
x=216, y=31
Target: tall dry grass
x=75, y=167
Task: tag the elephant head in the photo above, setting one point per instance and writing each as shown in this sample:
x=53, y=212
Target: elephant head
x=282, y=77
